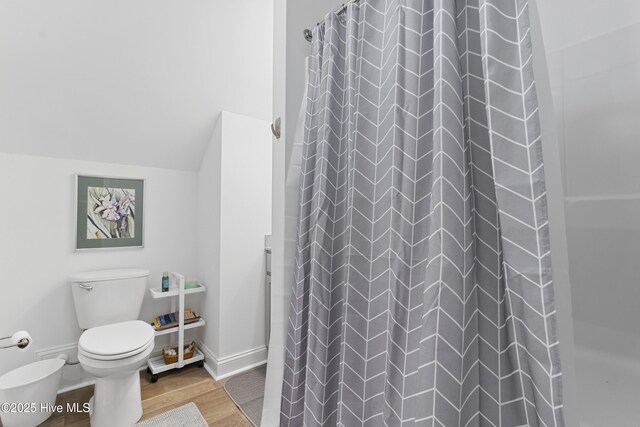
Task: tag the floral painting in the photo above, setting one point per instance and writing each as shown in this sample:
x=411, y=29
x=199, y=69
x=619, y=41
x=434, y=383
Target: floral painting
x=111, y=213
x=108, y=212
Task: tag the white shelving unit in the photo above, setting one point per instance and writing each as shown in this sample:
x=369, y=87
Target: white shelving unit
x=177, y=294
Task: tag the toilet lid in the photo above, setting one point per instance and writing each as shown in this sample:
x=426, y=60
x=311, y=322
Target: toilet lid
x=117, y=339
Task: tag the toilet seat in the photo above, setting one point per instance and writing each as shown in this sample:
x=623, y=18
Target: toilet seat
x=116, y=341
x=115, y=357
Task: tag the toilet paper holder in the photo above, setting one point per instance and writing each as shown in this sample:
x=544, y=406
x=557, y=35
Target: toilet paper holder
x=22, y=344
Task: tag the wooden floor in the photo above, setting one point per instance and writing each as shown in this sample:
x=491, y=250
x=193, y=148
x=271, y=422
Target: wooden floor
x=173, y=389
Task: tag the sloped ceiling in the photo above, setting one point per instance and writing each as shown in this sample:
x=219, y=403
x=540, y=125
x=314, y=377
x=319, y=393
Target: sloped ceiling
x=130, y=81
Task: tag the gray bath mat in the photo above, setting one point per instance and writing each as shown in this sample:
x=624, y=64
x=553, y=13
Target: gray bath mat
x=184, y=416
x=247, y=392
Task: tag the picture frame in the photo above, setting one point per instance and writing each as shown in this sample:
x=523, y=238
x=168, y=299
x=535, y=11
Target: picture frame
x=109, y=212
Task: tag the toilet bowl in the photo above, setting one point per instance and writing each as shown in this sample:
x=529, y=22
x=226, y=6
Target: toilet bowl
x=113, y=355
x=36, y=384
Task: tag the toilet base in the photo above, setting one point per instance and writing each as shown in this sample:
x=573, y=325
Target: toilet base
x=116, y=401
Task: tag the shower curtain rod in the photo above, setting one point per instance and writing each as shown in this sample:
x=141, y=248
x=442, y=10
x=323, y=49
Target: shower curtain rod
x=308, y=35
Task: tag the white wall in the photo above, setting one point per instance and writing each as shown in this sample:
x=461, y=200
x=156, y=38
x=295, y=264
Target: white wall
x=105, y=80
x=569, y=22
x=599, y=89
x=594, y=61
x=245, y=220
x=557, y=218
x=234, y=217
x=37, y=244
x=595, y=64
x=208, y=225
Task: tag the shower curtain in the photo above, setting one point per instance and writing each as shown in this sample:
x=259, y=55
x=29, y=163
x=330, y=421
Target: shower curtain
x=423, y=286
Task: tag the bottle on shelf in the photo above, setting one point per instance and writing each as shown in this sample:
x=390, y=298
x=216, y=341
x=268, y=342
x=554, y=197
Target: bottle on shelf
x=165, y=282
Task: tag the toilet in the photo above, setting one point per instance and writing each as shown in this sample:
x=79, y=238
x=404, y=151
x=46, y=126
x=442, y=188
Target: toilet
x=114, y=345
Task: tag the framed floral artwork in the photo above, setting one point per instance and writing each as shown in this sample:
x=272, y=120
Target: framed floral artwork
x=109, y=212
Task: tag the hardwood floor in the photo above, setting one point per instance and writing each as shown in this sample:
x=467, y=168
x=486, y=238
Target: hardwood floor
x=173, y=389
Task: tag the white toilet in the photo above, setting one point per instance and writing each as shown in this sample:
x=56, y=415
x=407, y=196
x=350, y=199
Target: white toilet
x=114, y=345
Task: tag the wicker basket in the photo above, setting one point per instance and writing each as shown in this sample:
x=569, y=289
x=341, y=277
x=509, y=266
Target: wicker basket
x=189, y=350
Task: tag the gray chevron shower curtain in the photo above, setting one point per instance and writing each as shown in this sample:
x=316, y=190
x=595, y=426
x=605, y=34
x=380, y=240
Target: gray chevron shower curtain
x=423, y=291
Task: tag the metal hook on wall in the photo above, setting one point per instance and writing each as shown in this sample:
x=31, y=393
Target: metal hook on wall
x=275, y=128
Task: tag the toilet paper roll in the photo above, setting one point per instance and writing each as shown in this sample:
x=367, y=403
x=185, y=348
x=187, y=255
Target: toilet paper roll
x=19, y=336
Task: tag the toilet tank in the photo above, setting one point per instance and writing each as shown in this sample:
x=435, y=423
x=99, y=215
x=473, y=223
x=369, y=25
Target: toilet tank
x=108, y=296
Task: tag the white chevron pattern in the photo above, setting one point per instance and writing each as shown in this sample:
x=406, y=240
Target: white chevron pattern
x=423, y=291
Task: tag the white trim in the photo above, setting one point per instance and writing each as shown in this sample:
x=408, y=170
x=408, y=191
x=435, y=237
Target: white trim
x=218, y=368
x=223, y=367
x=53, y=352
x=243, y=369
x=76, y=386
x=207, y=368
x=72, y=350
x=83, y=384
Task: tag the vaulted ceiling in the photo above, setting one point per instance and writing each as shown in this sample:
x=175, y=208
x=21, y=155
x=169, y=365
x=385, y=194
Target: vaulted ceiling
x=130, y=81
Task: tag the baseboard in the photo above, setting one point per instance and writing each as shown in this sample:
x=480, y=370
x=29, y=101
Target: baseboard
x=70, y=350
x=76, y=386
x=73, y=376
x=222, y=367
